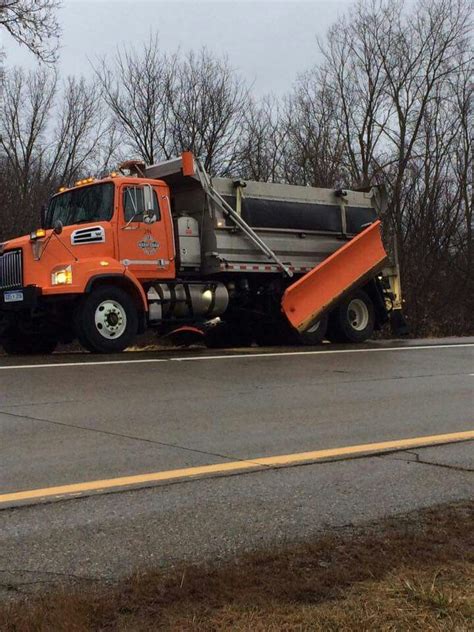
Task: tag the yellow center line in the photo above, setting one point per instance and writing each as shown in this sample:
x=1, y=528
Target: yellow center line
x=233, y=466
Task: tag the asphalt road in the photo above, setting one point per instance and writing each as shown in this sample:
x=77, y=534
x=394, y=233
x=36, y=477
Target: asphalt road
x=77, y=419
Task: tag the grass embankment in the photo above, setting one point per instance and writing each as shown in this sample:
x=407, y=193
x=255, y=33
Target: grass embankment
x=414, y=573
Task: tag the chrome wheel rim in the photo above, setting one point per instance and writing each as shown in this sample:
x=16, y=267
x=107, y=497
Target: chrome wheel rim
x=358, y=314
x=110, y=319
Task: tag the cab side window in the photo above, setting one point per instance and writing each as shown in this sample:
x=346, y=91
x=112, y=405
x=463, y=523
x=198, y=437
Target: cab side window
x=134, y=204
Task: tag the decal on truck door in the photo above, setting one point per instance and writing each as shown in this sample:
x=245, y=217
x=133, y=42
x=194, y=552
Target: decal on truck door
x=148, y=244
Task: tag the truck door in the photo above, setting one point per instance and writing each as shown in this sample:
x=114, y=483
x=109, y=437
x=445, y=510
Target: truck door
x=145, y=237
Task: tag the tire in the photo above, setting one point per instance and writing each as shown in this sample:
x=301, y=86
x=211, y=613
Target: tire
x=17, y=343
x=280, y=333
x=353, y=319
x=315, y=334
x=107, y=320
x=276, y=333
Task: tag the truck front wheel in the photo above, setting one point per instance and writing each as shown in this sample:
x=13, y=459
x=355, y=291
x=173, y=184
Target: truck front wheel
x=353, y=319
x=107, y=320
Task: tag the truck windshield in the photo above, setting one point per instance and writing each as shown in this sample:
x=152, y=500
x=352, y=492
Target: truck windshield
x=93, y=203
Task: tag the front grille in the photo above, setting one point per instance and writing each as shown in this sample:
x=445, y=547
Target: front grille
x=11, y=272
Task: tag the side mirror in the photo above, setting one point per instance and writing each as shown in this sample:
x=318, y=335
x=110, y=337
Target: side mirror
x=58, y=227
x=148, y=197
x=149, y=215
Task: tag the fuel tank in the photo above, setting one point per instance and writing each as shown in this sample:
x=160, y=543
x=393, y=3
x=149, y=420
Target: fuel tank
x=187, y=300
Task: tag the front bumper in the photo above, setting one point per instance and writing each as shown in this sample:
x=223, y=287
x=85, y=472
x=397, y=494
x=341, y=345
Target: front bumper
x=20, y=299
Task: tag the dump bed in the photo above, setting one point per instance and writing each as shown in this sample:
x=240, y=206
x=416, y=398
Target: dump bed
x=301, y=226
x=287, y=206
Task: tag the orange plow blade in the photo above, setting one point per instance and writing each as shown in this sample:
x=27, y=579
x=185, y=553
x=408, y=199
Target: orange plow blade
x=318, y=290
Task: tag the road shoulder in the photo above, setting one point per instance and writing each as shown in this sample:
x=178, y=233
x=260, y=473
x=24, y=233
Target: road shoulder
x=404, y=572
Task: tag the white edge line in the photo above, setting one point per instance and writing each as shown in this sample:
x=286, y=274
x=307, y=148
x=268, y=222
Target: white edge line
x=323, y=352
x=53, y=365
x=231, y=357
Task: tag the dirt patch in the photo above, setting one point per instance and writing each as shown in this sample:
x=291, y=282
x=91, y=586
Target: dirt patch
x=411, y=573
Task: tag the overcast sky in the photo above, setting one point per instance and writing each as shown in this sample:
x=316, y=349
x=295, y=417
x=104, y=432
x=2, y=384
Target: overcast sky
x=269, y=42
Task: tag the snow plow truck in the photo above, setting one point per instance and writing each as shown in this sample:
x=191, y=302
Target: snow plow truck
x=169, y=248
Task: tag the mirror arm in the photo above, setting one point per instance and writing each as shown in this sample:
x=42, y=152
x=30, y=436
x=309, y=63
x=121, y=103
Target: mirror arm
x=130, y=221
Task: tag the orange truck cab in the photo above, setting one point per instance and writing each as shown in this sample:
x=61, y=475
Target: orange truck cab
x=119, y=254
x=96, y=234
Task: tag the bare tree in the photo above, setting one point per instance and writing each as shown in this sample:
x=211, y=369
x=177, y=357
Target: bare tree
x=135, y=87
x=354, y=73
x=463, y=166
x=207, y=102
x=33, y=23
x=48, y=135
x=26, y=104
x=165, y=104
x=81, y=133
x=262, y=141
x=419, y=52
x=315, y=149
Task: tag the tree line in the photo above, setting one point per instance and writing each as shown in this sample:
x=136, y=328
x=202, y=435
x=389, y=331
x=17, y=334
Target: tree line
x=389, y=103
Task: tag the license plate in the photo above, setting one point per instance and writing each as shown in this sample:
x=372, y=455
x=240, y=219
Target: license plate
x=13, y=297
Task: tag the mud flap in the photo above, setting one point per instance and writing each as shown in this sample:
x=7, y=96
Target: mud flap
x=398, y=324
x=314, y=294
x=186, y=336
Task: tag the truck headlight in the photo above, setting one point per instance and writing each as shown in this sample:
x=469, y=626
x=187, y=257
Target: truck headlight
x=62, y=276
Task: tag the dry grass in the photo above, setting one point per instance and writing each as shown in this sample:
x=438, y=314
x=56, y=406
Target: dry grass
x=415, y=573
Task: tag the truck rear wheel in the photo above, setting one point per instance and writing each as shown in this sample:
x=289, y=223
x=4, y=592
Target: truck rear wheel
x=107, y=320
x=315, y=334
x=281, y=333
x=353, y=319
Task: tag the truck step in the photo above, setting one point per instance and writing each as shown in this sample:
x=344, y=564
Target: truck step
x=314, y=294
